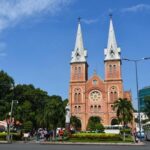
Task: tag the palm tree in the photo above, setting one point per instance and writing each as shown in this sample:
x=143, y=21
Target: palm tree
x=124, y=111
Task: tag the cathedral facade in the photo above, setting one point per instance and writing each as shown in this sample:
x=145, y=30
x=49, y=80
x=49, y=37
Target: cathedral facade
x=95, y=96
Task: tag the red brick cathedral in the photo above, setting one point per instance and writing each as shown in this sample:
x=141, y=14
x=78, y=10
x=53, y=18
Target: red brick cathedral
x=95, y=96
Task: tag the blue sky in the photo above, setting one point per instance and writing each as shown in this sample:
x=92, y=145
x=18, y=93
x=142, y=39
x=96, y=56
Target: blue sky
x=37, y=37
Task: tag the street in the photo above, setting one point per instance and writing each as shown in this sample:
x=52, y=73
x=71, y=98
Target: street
x=27, y=146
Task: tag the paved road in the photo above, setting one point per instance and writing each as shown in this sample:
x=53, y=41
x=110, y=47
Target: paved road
x=71, y=147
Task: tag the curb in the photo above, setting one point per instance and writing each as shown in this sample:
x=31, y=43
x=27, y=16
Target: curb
x=73, y=143
x=78, y=143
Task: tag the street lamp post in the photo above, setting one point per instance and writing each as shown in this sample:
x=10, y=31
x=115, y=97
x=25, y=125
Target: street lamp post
x=11, y=110
x=137, y=86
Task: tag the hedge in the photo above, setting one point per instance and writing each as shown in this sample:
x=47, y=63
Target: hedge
x=16, y=136
x=97, y=136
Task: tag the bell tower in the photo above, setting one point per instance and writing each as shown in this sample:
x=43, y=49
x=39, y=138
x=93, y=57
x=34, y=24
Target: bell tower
x=113, y=79
x=78, y=78
x=112, y=56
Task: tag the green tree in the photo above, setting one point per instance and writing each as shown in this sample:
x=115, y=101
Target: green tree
x=54, y=112
x=124, y=111
x=6, y=94
x=31, y=105
x=28, y=126
x=6, y=85
x=147, y=106
x=75, y=122
x=94, y=124
x=34, y=104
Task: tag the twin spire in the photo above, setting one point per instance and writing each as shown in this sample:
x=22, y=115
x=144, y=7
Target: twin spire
x=79, y=54
x=112, y=52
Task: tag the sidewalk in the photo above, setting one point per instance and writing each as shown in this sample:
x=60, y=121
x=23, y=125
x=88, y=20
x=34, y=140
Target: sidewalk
x=72, y=143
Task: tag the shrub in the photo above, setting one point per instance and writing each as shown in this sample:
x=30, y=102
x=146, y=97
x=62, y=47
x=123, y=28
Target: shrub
x=15, y=136
x=97, y=136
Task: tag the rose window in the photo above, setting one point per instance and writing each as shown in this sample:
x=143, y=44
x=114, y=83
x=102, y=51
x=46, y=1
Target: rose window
x=95, y=95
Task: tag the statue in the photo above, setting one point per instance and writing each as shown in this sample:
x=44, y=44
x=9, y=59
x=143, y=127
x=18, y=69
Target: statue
x=67, y=113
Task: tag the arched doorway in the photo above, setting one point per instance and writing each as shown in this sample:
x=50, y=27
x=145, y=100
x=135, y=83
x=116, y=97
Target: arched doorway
x=75, y=123
x=114, y=121
x=94, y=124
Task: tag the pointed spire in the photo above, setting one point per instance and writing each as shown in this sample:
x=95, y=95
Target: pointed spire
x=79, y=39
x=112, y=51
x=79, y=54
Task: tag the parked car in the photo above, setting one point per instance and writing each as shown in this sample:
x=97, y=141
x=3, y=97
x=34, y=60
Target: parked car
x=140, y=135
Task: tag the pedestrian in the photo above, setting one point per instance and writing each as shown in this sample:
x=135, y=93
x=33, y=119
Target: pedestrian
x=61, y=133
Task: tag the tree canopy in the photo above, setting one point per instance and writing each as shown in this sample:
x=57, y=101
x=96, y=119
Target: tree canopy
x=34, y=104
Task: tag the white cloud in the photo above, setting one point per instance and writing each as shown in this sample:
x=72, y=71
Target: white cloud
x=137, y=8
x=14, y=11
x=89, y=21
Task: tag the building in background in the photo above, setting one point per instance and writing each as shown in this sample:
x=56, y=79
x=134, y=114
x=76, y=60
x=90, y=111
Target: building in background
x=142, y=94
x=143, y=117
x=94, y=96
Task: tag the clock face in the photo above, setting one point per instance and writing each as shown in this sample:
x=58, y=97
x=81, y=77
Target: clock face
x=112, y=53
x=78, y=55
x=95, y=95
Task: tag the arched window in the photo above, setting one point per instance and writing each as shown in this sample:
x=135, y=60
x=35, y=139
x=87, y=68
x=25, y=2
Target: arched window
x=95, y=108
x=79, y=108
x=114, y=70
x=99, y=108
x=75, y=72
x=110, y=70
x=75, y=109
x=76, y=98
x=91, y=108
x=79, y=97
x=113, y=95
x=79, y=72
x=112, y=107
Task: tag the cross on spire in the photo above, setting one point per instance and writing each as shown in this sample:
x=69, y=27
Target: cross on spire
x=79, y=19
x=110, y=15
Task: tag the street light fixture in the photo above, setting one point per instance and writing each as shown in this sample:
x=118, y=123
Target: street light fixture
x=137, y=86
